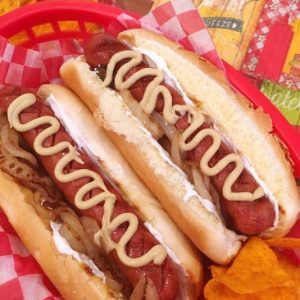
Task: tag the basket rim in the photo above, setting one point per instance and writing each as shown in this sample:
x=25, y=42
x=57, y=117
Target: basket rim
x=40, y=13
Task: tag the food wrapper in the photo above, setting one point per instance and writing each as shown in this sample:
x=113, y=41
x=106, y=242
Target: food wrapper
x=29, y=68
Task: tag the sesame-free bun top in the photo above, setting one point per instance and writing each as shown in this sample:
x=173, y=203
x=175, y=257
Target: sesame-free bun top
x=249, y=130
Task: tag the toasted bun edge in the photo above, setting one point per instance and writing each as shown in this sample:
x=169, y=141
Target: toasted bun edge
x=253, y=136
x=134, y=191
x=208, y=233
x=66, y=273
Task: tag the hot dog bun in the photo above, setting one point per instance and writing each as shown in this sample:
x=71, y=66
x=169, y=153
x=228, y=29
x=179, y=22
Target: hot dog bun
x=248, y=129
x=68, y=275
x=149, y=160
x=116, y=167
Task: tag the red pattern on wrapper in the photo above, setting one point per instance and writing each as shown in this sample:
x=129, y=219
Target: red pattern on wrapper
x=20, y=275
x=178, y=20
x=30, y=68
x=20, y=66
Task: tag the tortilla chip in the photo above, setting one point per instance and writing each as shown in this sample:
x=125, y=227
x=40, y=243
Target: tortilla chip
x=217, y=271
x=291, y=269
x=216, y=291
x=255, y=268
x=256, y=273
x=285, y=242
x=275, y=294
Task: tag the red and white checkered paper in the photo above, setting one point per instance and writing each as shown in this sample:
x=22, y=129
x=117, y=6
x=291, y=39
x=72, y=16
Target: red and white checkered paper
x=178, y=20
x=20, y=276
x=29, y=68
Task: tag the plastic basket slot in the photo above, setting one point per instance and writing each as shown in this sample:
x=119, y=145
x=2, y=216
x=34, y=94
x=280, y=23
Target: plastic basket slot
x=19, y=38
x=70, y=26
x=92, y=27
x=42, y=29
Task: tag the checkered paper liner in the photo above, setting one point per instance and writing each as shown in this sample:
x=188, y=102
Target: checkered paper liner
x=20, y=275
x=29, y=68
x=178, y=20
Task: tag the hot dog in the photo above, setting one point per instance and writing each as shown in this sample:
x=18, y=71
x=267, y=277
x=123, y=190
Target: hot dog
x=91, y=196
x=214, y=136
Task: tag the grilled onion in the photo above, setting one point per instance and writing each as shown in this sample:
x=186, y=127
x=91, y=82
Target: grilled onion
x=139, y=289
x=144, y=289
x=168, y=129
x=175, y=152
x=10, y=163
x=47, y=200
x=74, y=242
x=199, y=183
x=156, y=131
x=151, y=292
x=11, y=144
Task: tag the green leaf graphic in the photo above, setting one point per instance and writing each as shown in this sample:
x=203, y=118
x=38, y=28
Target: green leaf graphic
x=286, y=99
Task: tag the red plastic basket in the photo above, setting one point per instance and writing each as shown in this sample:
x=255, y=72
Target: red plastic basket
x=53, y=12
